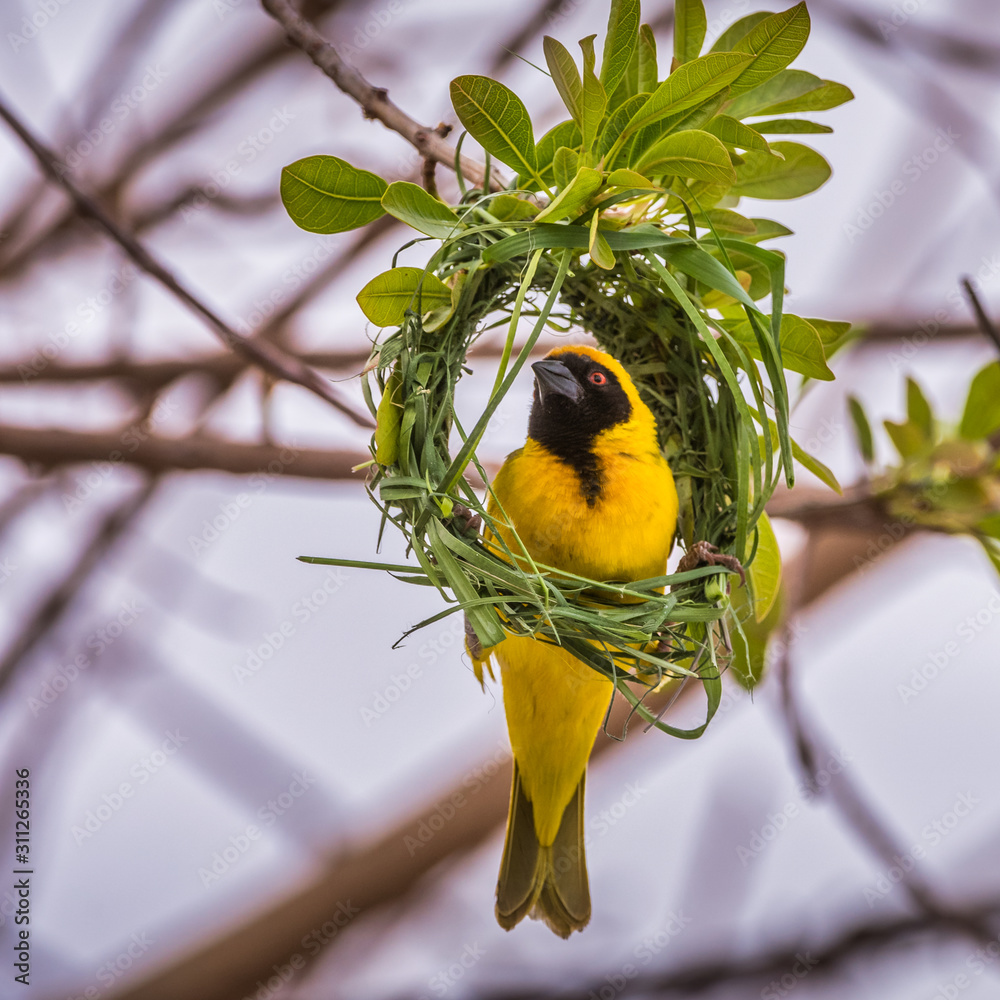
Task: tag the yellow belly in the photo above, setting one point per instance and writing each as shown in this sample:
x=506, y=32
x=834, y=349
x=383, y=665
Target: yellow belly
x=554, y=703
x=624, y=535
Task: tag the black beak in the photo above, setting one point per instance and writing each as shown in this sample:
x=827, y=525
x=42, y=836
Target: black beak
x=552, y=377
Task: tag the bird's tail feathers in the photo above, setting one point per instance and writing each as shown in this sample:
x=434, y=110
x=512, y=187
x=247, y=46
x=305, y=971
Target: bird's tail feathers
x=546, y=883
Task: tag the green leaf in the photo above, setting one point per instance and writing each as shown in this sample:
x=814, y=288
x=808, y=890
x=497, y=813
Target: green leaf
x=735, y=133
x=387, y=420
x=828, y=94
x=690, y=118
x=573, y=196
x=418, y=208
x=565, y=76
x=749, y=659
x=764, y=573
x=833, y=334
x=801, y=349
x=918, y=410
x=648, y=78
x=701, y=265
x=816, y=467
x=594, y=100
x=737, y=30
x=774, y=43
x=387, y=297
x=497, y=119
x=683, y=254
x=787, y=85
x=768, y=229
x=616, y=123
x=324, y=194
x=790, y=126
x=982, y=407
x=620, y=42
x=597, y=246
x=907, y=438
x=565, y=166
x=688, y=154
x=862, y=429
x=564, y=134
x=992, y=551
x=802, y=171
x=508, y=208
x=689, y=29
x=726, y=221
x=630, y=179
x=688, y=85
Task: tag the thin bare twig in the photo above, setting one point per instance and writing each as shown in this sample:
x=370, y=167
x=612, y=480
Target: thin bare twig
x=374, y=101
x=272, y=359
x=985, y=323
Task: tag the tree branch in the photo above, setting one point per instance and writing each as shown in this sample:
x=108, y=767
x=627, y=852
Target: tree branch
x=272, y=359
x=53, y=607
x=374, y=101
x=133, y=447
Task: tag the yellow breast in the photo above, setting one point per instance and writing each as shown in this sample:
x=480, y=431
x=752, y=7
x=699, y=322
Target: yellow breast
x=624, y=534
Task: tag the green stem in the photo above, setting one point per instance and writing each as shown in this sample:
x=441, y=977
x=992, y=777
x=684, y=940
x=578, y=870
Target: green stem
x=454, y=473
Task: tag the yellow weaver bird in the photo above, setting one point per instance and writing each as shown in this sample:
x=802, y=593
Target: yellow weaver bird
x=589, y=493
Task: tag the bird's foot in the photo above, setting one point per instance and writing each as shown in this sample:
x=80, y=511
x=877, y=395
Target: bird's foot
x=706, y=554
x=469, y=523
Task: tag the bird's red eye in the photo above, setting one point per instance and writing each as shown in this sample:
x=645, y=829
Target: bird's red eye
x=598, y=378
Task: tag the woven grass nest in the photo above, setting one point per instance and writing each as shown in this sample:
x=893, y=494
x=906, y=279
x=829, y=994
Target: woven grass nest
x=620, y=224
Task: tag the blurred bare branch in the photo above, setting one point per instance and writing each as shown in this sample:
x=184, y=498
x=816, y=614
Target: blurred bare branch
x=272, y=359
x=157, y=455
x=374, y=101
x=113, y=525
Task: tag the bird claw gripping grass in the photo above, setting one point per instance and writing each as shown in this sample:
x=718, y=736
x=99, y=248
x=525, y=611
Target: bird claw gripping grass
x=620, y=221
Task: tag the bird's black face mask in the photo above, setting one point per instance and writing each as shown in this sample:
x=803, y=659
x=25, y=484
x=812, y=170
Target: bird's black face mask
x=575, y=399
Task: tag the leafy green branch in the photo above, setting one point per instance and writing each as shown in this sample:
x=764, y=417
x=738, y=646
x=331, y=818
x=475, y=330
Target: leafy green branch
x=621, y=221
